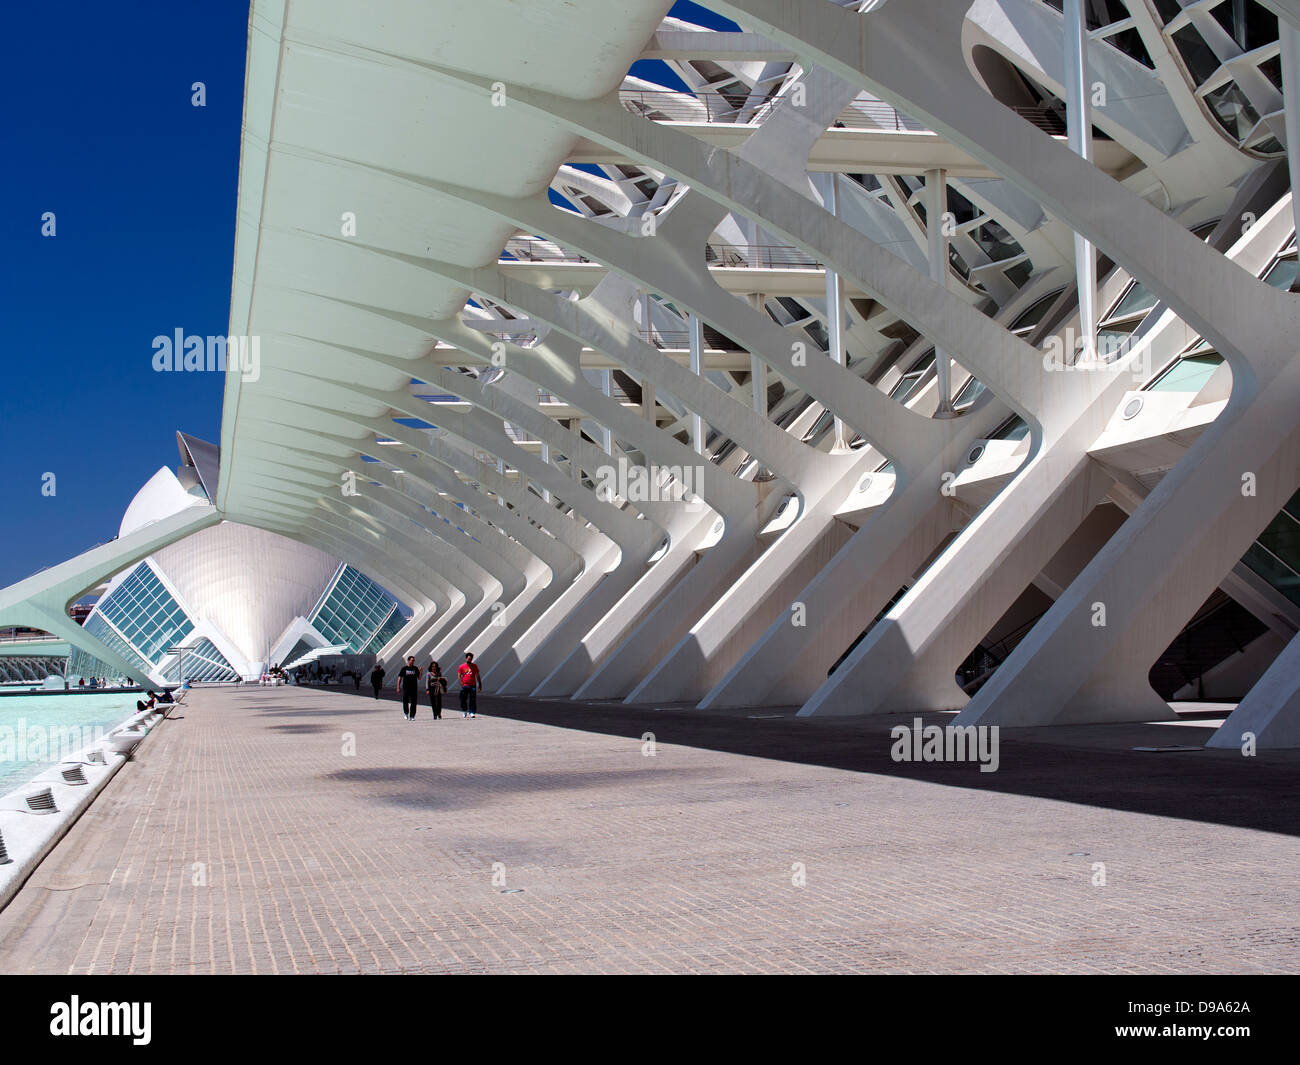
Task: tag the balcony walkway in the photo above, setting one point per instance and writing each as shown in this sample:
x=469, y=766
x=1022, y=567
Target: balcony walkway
x=243, y=839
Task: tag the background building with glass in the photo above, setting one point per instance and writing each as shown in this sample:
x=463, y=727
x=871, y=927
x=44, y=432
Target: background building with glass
x=237, y=599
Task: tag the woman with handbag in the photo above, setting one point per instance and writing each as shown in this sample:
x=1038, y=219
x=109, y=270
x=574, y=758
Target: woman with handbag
x=436, y=684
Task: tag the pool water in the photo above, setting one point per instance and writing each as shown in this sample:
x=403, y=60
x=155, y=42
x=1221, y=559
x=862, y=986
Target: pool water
x=38, y=731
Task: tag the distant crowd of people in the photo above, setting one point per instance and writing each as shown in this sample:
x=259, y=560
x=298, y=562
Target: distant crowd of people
x=314, y=673
x=435, y=686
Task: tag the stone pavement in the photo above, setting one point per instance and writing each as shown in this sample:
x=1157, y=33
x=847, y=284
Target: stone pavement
x=541, y=837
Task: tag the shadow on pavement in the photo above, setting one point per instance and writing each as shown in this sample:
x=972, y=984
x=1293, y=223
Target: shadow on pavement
x=1092, y=765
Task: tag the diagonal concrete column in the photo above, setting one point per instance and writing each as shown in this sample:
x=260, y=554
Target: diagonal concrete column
x=422, y=479
x=425, y=591
x=788, y=660
x=1149, y=578
x=1270, y=714
x=909, y=658
x=611, y=646
x=362, y=524
x=517, y=605
x=362, y=521
x=636, y=539
x=503, y=577
x=1182, y=540
x=794, y=541
x=592, y=553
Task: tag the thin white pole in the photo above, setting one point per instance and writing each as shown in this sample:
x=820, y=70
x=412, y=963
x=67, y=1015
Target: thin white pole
x=607, y=387
x=835, y=316
x=758, y=368
x=936, y=231
x=1078, y=115
x=697, y=348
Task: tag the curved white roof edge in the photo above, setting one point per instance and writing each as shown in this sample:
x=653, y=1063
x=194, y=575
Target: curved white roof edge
x=160, y=497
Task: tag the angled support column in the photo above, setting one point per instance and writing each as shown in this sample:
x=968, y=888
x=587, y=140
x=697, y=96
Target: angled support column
x=1270, y=713
x=909, y=658
x=359, y=520
x=758, y=369
x=561, y=563
x=908, y=519
x=1190, y=531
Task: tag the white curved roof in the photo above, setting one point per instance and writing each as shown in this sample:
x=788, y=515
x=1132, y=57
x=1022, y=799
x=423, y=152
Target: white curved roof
x=159, y=497
x=276, y=580
x=346, y=118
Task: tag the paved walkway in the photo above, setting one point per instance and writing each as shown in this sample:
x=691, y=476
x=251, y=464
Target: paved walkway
x=245, y=838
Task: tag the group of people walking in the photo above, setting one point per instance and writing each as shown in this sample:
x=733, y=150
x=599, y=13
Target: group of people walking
x=435, y=684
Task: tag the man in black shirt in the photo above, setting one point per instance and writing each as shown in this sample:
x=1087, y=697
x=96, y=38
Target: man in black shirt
x=408, y=683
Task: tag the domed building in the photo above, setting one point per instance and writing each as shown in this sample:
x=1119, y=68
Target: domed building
x=237, y=598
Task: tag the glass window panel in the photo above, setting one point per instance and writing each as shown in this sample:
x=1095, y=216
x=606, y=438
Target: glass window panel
x=1273, y=570
x=969, y=393
x=1198, y=57
x=1282, y=538
x=1292, y=506
x=1235, y=114
x=1015, y=429
x=1188, y=374
x=1137, y=298
x=1282, y=274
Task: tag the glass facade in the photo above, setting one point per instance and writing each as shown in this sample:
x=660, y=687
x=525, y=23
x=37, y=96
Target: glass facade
x=299, y=649
x=1231, y=52
x=1188, y=374
x=82, y=664
x=1275, y=556
x=356, y=613
x=145, y=614
x=204, y=662
x=387, y=631
x=139, y=620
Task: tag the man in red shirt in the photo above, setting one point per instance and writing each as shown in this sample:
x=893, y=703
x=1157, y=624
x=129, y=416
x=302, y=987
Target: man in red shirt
x=470, y=683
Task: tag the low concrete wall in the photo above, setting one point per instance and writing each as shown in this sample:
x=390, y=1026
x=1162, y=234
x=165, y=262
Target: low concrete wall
x=28, y=836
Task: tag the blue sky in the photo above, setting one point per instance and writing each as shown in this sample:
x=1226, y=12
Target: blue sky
x=100, y=130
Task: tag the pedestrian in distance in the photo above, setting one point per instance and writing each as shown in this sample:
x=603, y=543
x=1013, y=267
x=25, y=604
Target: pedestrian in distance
x=436, y=684
x=377, y=678
x=408, y=683
x=471, y=681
